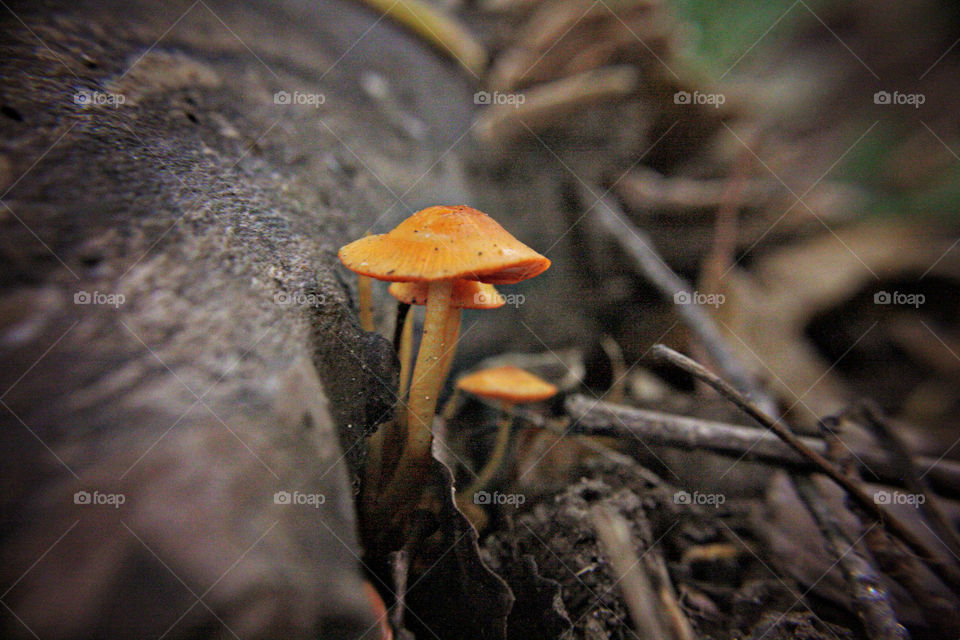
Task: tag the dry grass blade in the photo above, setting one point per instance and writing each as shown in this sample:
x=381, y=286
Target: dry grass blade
x=437, y=28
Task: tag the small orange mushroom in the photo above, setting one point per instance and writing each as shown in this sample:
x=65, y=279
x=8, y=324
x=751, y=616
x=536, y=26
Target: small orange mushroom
x=439, y=246
x=509, y=385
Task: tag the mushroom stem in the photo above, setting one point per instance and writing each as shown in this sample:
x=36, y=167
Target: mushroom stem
x=406, y=359
x=365, y=295
x=450, y=346
x=426, y=376
x=497, y=456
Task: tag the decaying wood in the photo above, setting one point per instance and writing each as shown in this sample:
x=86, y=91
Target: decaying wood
x=229, y=380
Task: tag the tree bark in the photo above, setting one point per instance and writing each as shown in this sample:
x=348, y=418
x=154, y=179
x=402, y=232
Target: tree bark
x=177, y=341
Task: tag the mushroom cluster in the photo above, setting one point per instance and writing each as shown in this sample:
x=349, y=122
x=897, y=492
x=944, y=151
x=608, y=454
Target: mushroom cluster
x=445, y=254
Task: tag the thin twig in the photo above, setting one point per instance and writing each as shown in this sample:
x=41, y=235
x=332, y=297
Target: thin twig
x=592, y=417
x=868, y=594
x=638, y=245
x=947, y=572
x=939, y=606
x=720, y=257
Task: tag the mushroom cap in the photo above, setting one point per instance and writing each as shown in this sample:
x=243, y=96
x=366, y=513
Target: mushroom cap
x=507, y=383
x=444, y=243
x=466, y=294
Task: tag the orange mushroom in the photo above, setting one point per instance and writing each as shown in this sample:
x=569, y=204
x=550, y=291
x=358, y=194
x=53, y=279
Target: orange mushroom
x=439, y=246
x=445, y=243
x=509, y=385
